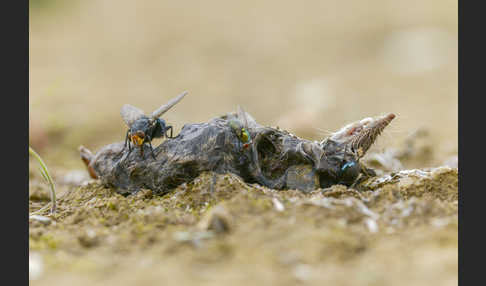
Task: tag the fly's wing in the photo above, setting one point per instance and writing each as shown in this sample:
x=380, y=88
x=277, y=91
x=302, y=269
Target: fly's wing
x=164, y=108
x=130, y=114
x=251, y=121
x=247, y=119
x=242, y=115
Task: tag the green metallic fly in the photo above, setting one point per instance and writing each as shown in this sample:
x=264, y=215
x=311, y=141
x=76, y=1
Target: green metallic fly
x=239, y=124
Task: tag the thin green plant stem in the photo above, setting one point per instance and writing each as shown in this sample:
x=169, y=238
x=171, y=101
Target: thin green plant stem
x=47, y=177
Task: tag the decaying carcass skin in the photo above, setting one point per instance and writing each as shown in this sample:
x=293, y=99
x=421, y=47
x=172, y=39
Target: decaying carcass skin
x=275, y=158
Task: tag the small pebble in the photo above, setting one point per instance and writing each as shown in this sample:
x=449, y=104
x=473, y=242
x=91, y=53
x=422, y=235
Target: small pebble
x=372, y=225
x=217, y=220
x=302, y=272
x=75, y=177
x=88, y=239
x=36, y=266
x=43, y=219
x=452, y=162
x=278, y=205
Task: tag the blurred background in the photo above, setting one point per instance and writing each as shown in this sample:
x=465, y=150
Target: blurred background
x=308, y=67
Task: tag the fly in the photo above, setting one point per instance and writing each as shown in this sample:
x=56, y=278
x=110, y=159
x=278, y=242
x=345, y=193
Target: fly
x=143, y=128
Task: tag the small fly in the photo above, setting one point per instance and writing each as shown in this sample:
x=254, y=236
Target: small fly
x=143, y=128
x=239, y=125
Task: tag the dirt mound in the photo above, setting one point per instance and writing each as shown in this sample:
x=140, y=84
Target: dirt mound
x=402, y=230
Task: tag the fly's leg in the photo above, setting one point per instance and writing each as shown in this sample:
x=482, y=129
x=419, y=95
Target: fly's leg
x=151, y=148
x=129, y=146
x=367, y=172
x=126, y=139
x=127, y=142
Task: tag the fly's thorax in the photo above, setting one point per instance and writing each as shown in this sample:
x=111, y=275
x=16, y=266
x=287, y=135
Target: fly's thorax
x=158, y=128
x=245, y=136
x=142, y=124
